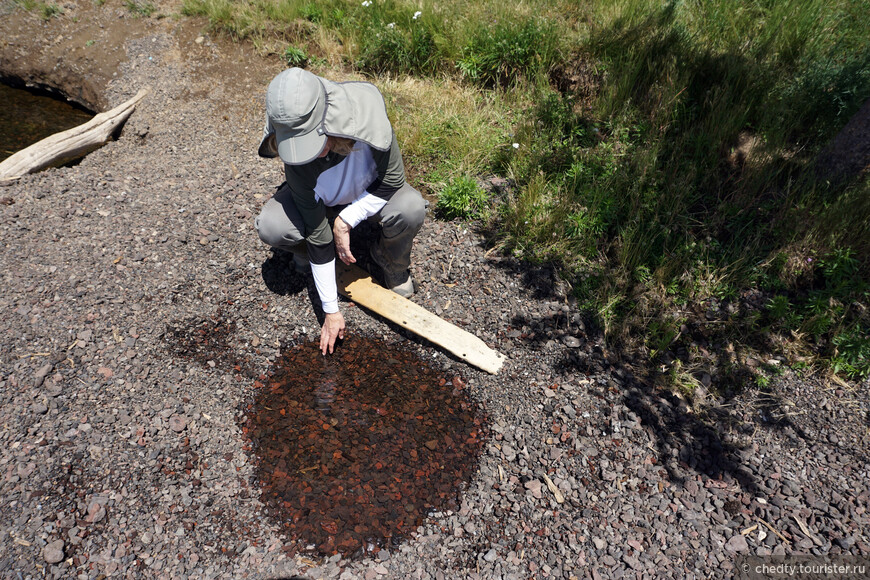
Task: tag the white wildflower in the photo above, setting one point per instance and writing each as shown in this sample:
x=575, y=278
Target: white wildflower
x=367, y=2
x=516, y=145
x=417, y=14
x=391, y=25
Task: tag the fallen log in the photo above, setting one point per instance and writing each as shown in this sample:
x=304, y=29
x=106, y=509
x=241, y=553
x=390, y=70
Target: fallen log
x=70, y=144
x=356, y=284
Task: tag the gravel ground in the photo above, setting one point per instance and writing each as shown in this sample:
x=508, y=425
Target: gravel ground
x=121, y=458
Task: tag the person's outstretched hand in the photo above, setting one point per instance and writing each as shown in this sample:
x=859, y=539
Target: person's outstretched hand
x=333, y=328
x=341, y=234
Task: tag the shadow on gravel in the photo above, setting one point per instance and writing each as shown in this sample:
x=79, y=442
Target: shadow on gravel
x=685, y=442
x=279, y=275
x=542, y=281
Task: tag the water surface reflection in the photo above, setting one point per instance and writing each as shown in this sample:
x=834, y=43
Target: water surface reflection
x=26, y=117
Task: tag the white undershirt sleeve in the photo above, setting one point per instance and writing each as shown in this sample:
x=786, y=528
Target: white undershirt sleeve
x=363, y=208
x=324, y=280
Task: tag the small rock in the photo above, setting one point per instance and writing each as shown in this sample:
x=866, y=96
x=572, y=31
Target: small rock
x=846, y=543
x=40, y=375
x=53, y=552
x=177, y=423
x=534, y=487
x=490, y=556
x=96, y=512
x=634, y=563
x=736, y=544
x=571, y=341
x=599, y=543
x=53, y=389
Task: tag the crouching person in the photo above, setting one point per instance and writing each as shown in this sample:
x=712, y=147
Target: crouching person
x=340, y=157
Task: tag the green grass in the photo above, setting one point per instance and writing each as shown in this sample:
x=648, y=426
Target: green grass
x=463, y=198
x=661, y=154
x=48, y=10
x=142, y=8
x=507, y=53
x=491, y=43
x=700, y=168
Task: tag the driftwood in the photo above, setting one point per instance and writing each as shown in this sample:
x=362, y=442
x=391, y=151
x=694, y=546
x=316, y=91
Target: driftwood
x=357, y=285
x=69, y=144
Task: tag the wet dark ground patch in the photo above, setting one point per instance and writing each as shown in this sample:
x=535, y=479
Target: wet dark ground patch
x=353, y=450
x=208, y=341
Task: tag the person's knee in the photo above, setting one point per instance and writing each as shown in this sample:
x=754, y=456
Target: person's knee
x=411, y=208
x=416, y=214
x=274, y=232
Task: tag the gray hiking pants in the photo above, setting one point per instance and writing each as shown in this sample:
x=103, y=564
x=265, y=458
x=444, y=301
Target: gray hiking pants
x=281, y=226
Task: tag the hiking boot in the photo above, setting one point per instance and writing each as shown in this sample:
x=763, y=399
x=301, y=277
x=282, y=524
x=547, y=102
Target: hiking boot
x=399, y=282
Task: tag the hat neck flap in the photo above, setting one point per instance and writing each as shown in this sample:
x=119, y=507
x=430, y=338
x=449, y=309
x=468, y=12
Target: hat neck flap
x=356, y=110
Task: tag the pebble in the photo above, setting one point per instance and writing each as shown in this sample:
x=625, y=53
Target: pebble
x=737, y=544
x=534, y=487
x=177, y=423
x=53, y=552
x=600, y=544
x=39, y=376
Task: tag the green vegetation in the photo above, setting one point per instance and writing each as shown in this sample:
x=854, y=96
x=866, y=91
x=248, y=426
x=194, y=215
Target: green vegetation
x=49, y=10
x=463, y=198
x=295, y=56
x=662, y=155
x=46, y=10
x=140, y=7
x=509, y=52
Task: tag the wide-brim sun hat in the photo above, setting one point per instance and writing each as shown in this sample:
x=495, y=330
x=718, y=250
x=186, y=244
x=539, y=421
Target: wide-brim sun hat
x=303, y=109
x=295, y=108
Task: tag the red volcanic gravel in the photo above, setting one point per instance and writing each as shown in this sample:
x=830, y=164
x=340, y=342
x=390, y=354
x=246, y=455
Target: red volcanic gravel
x=355, y=449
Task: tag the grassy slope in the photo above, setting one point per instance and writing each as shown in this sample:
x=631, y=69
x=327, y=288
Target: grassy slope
x=661, y=154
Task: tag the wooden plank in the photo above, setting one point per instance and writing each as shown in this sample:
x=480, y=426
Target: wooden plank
x=357, y=285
